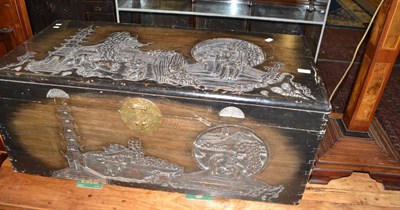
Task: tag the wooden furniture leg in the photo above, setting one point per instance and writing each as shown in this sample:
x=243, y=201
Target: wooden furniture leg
x=15, y=27
x=354, y=142
x=3, y=153
x=7, y=40
x=381, y=54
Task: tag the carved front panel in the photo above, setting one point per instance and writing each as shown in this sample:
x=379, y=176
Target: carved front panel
x=191, y=148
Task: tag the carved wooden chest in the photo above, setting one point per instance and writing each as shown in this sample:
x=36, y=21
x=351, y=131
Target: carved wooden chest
x=220, y=114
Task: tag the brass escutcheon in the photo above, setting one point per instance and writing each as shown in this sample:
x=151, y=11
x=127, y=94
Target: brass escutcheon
x=140, y=115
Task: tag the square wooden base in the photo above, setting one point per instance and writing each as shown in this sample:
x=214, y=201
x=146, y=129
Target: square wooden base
x=342, y=153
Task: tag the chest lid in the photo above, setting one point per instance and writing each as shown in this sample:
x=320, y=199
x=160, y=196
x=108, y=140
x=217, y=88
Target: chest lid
x=266, y=70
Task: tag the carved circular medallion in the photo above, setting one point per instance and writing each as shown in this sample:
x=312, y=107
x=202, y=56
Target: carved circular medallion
x=140, y=115
x=227, y=50
x=230, y=151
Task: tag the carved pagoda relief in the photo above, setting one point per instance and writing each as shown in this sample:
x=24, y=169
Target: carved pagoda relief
x=221, y=64
x=228, y=157
x=115, y=162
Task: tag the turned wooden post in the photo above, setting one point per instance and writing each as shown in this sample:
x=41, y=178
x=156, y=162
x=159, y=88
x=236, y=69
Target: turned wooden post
x=381, y=54
x=14, y=15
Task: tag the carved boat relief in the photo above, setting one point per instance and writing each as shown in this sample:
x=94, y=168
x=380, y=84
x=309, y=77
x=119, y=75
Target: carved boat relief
x=221, y=64
x=227, y=157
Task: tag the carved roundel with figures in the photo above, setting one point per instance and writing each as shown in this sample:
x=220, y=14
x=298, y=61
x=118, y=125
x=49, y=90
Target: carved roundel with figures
x=228, y=50
x=231, y=151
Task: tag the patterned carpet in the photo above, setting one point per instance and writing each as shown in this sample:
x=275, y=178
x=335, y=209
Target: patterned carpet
x=388, y=112
x=347, y=13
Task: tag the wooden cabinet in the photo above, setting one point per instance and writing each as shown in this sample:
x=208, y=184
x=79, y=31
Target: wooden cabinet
x=7, y=40
x=43, y=13
x=14, y=25
x=98, y=10
x=3, y=152
x=300, y=17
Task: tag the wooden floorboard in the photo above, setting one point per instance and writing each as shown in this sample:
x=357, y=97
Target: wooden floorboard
x=21, y=191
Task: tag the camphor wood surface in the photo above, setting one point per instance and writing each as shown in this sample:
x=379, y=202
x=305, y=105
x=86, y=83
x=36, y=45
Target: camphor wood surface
x=379, y=59
x=21, y=191
x=33, y=128
x=173, y=141
x=14, y=17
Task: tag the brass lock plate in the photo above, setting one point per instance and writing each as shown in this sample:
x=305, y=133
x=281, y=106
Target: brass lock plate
x=141, y=115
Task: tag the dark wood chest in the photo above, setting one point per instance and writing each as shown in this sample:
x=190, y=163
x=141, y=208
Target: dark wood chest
x=198, y=112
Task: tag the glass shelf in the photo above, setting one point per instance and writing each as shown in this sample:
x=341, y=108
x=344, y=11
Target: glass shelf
x=282, y=11
x=232, y=9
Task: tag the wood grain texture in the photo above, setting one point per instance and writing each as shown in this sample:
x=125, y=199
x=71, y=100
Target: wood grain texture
x=392, y=38
x=180, y=126
x=7, y=41
x=15, y=16
x=14, y=25
x=36, y=146
x=3, y=153
x=358, y=191
x=381, y=54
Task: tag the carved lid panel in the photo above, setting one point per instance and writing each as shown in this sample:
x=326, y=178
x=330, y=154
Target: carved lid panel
x=276, y=70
